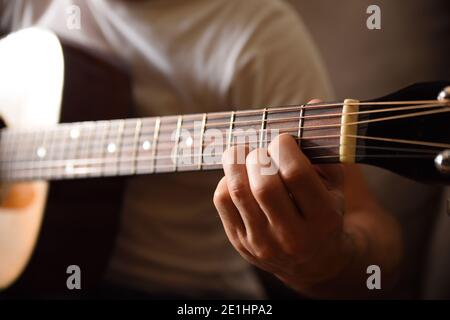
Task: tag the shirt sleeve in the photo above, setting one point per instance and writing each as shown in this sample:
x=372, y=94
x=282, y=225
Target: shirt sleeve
x=280, y=64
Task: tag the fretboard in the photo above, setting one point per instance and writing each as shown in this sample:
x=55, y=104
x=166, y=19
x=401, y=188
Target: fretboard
x=162, y=144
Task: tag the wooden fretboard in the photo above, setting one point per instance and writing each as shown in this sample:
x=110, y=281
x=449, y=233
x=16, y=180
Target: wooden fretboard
x=161, y=144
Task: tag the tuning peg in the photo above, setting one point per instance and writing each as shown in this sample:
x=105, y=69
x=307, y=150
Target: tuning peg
x=444, y=94
x=442, y=161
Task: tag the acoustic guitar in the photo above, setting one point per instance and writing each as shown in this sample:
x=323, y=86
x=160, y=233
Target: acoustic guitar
x=45, y=81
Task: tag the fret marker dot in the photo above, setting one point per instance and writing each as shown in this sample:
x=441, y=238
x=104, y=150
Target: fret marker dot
x=189, y=141
x=111, y=148
x=74, y=134
x=41, y=152
x=146, y=145
x=69, y=168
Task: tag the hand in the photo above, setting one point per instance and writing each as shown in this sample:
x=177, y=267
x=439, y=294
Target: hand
x=289, y=223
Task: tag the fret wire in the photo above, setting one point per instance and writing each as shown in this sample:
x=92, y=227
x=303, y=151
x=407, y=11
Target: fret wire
x=263, y=127
x=105, y=134
x=46, y=144
x=202, y=133
x=111, y=147
x=300, y=125
x=61, y=154
x=98, y=135
x=58, y=149
x=89, y=127
x=92, y=142
x=119, y=139
x=137, y=136
x=177, y=141
x=80, y=141
x=38, y=147
x=72, y=145
x=155, y=141
x=230, y=130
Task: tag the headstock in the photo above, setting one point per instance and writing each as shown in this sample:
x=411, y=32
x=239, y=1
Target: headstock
x=411, y=137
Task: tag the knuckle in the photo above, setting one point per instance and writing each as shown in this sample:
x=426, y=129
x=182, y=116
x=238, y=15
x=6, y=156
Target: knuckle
x=238, y=245
x=221, y=194
x=263, y=253
x=220, y=197
x=289, y=241
x=291, y=249
x=239, y=190
x=262, y=190
x=294, y=173
x=260, y=248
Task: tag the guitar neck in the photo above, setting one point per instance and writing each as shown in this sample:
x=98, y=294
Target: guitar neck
x=166, y=144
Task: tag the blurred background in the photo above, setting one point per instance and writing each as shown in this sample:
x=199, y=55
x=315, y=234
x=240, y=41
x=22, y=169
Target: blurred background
x=412, y=45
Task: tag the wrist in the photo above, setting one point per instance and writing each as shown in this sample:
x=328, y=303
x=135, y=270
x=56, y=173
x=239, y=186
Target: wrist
x=331, y=268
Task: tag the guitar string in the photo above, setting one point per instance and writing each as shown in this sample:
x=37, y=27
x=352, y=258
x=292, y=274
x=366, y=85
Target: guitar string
x=153, y=160
x=286, y=130
x=265, y=141
x=15, y=174
x=268, y=121
x=157, y=166
x=320, y=105
x=313, y=106
x=197, y=155
x=259, y=121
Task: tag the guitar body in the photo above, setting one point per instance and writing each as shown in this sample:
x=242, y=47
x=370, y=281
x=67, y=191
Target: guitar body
x=70, y=222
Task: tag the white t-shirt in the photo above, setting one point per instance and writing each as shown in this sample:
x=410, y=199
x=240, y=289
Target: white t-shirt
x=186, y=57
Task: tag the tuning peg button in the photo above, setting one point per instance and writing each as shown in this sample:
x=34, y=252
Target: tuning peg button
x=442, y=162
x=444, y=94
